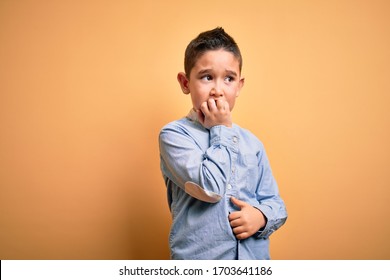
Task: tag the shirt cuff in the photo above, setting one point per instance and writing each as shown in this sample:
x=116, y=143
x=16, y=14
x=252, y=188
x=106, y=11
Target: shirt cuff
x=225, y=136
x=267, y=230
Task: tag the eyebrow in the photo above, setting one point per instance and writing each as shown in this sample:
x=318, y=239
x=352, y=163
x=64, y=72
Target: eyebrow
x=232, y=73
x=205, y=71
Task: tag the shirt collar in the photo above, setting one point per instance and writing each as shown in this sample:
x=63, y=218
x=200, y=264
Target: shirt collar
x=193, y=115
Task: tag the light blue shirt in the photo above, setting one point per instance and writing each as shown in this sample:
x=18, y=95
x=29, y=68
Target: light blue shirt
x=202, y=169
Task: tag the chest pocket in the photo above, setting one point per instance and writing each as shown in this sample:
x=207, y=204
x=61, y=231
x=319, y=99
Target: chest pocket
x=252, y=172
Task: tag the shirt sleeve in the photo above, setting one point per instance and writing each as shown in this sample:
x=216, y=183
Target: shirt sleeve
x=270, y=202
x=201, y=172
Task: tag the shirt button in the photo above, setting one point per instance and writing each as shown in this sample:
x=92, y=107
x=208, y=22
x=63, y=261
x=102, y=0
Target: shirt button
x=235, y=139
x=229, y=187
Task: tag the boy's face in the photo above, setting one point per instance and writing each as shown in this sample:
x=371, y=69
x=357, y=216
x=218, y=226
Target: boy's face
x=216, y=75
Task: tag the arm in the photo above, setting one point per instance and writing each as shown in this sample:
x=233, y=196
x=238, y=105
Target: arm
x=270, y=204
x=264, y=218
x=198, y=160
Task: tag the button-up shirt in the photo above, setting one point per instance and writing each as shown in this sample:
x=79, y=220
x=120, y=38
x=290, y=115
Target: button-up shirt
x=203, y=168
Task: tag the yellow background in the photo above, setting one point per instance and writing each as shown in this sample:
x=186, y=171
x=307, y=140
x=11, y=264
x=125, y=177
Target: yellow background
x=85, y=87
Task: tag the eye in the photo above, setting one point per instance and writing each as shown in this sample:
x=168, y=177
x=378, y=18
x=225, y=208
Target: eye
x=229, y=79
x=206, y=77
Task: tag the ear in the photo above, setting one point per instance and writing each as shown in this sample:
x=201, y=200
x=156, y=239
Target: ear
x=240, y=85
x=183, y=81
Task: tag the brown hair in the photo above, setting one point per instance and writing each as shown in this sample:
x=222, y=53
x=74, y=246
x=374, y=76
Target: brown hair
x=214, y=39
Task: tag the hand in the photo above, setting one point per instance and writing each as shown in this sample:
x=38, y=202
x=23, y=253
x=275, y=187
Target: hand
x=247, y=221
x=214, y=112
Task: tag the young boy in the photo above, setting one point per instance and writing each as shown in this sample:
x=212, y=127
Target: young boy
x=222, y=195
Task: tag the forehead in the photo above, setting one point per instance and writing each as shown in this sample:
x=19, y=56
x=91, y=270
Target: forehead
x=218, y=59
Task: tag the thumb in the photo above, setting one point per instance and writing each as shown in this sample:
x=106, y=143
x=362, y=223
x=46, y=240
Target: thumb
x=238, y=202
x=200, y=116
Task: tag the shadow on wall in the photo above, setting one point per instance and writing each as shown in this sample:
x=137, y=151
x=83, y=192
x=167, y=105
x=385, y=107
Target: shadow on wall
x=145, y=218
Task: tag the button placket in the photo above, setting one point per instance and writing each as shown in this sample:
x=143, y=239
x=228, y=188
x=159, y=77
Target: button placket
x=232, y=180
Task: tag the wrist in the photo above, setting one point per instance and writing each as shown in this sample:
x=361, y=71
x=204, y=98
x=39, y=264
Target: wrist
x=219, y=124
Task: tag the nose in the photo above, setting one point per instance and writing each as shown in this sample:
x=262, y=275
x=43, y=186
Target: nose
x=217, y=90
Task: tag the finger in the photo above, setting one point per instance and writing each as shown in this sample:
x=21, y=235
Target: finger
x=220, y=104
x=243, y=235
x=204, y=108
x=238, y=230
x=235, y=223
x=212, y=104
x=238, y=202
x=226, y=105
x=234, y=216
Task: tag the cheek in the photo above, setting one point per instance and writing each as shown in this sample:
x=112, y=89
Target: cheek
x=231, y=104
x=197, y=101
x=231, y=99
x=198, y=96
